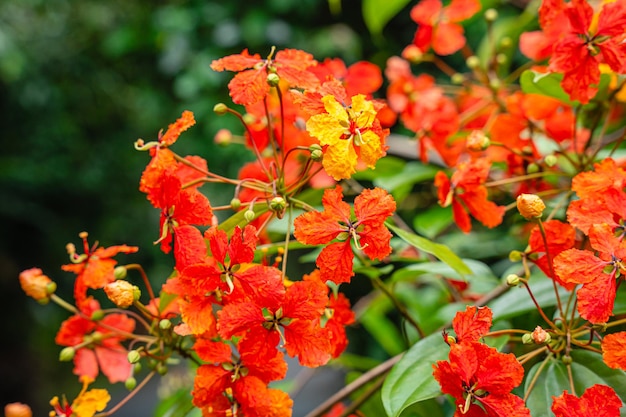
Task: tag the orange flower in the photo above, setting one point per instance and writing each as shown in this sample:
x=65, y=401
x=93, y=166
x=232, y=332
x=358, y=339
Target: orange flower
x=598, y=400
x=359, y=78
x=614, y=350
x=438, y=26
x=86, y=404
x=95, y=267
x=250, y=84
x=472, y=324
x=466, y=193
x=560, y=236
x=36, y=285
x=99, y=347
x=174, y=130
x=368, y=231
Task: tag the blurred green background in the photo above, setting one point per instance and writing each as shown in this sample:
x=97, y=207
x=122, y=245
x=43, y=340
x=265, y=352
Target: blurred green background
x=80, y=81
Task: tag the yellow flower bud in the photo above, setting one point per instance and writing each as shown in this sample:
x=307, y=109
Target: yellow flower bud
x=530, y=206
x=36, y=285
x=121, y=292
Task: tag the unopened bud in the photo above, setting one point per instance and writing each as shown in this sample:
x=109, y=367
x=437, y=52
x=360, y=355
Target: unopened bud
x=67, y=354
x=165, y=324
x=413, y=54
x=532, y=168
x=527, y=339
x=513, y=280
x=530, y=206
x=491, y=15
x=223, y=137
x=97, y=315
x=472, y=62
x=235, y=204
x=477, y=141
x=133, y=356
x=495, y=83
x=220, y=109
x=567, y=359
x=249, y=215
x=278, y=204
x=515, y=256
x=540, y=336
x=501, y=59
x=161, y=368
x=17, y=410
x=120, y=272
x=506, y=42
x=130, y=383
x=121, y=293
x=273, y=79
x=37, y=285
x=457, y=78
x=316, y=152
x=550, y=160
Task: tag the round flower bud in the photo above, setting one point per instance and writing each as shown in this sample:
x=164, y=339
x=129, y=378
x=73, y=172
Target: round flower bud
x=220, y=109
x=527, y=339
x=97, y=315
x=457, y=78
x=532, y=168
x=161, y=368
x=512, y=280
x=501, y=59
x=223, y=137
x=477, y=141
x=472, y=62
x=249, y=215
x=273, y=79
x=165, y=324
x=540, y=336
x=36, y=285
x=413, y=54
x=130, y=383
x=133, y=356
x=530, y=206
x=17, y=410
x=550, y=160
x=567, y=359
x=278, y=204
x=491, y=15
x=235, y=204
x=67, y=354
x=121, y=293
x=120, y=272
x=316, y=152
x=515, y=256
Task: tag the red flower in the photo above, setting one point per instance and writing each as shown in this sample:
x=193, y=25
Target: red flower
x=597, y=273
x=368, y=231
x=466, y=193
x=438, y=28
x=614, y=350
x=472, y=324
x=359, y=78
x=481, y=380
x=560, y=236
x=250, y=84
x=95, y=268
x=100, y=347
x=596, y=401
x=579, y=53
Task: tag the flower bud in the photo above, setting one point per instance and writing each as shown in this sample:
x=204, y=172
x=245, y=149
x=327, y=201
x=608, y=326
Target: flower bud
x=316, y=152
x=121, y=293
x=17, y=410
x=527, y=339
x=130, y=383
x=133, y=356
x=515, y=256
x=413, y=54
x=457, y=78
x=491, y=15
x=273, y=79
x=477, y=141
x=120, y=272
x=501, y=59
x=37, y=285
x=506, y=42
x=165, y=324
x=220, y=109
x=550, y=160
x=223, y=137
x=530, y=206
x=532, y=168
x=249, y=215
x=235, y=204
x=567, y=359
x=472, y=62
x=278, y=204
x=540, y=336
x=161, y=368
x=67, y=354
x=97, y=315
x=512, y=280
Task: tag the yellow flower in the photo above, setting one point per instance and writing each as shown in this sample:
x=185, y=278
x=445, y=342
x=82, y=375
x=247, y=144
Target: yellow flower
x=86, y=404
x=343, y=131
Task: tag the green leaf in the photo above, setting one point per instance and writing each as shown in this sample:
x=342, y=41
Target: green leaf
x=546, y=84
x=442, y=252
x=433, y=221
x=411, y=379
x=177, y=404
x=374, y=320
x=411, y=173
x=551, y=381
x=588, y=369
x=377, y=13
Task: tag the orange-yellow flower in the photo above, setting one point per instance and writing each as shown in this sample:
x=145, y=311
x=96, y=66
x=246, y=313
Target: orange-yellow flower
x=86, y=404
x=36, y=285
x=347, y=132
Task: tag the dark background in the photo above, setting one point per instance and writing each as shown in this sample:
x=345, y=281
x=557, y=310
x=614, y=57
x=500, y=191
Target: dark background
x=80, y=81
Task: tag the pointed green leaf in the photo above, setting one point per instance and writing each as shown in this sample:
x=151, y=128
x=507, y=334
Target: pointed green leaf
x=411, y=379
x=442, y=252
x=377, y=13
x=551, y=381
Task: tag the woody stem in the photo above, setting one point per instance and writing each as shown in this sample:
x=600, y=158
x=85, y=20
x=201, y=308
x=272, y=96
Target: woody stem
x=364, y=397
x=128, y=397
